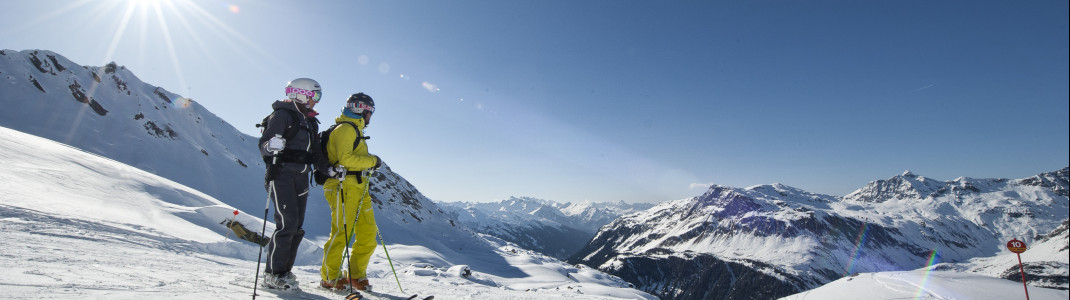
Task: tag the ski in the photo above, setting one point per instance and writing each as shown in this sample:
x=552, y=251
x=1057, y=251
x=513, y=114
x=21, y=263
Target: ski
x=296, y=293
x=359, y=296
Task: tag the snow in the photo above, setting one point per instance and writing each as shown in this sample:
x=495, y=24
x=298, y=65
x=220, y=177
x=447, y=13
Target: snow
x=925, y=284
x=83, y=226
x=976, y=279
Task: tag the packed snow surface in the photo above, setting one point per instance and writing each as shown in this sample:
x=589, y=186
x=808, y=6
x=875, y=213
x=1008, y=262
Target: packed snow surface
x=924, y=284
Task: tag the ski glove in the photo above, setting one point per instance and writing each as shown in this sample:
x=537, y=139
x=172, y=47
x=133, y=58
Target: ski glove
x=276, y=144
x=378, y=162
x=337, y=172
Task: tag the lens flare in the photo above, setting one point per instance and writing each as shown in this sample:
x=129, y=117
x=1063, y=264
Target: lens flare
x=234, y=8
x=430, y=87
x=182, y=102
x=933, y=259
x=859, y=242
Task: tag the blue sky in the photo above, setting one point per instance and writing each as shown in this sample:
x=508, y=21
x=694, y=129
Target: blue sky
x=641, y=101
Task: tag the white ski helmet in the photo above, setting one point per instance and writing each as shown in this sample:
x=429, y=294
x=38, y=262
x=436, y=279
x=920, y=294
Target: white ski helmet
x=303, y=89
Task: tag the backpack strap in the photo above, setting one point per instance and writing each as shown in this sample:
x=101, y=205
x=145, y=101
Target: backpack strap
x=294, y=126
x=360, y=135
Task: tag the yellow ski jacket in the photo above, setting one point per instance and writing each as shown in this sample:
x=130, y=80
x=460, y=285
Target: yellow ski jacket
x=340, y=149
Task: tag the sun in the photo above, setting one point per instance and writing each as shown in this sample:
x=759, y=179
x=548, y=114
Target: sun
x=176, y=19
x=123, y=26
x=147, y=2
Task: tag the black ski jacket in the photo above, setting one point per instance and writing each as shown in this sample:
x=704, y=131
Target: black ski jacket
x=302, y=151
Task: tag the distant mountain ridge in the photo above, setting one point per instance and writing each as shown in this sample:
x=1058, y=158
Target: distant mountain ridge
x=555, y=229
x=732, y=242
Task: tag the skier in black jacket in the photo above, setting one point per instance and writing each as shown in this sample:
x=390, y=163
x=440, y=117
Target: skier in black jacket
x=290, y=146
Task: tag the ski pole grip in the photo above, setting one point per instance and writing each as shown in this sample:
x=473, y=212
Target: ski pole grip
x=278, y=136
x=275, y=156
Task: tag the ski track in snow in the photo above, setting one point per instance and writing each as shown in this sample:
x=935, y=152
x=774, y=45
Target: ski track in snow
x=895, y=282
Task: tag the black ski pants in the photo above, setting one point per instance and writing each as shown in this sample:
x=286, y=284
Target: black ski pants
x=289, y=193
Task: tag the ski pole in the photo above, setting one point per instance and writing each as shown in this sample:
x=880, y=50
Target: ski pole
x=349, y=260
x=263, y=228
x=345, y=255
x=381, y=240
x=380, y=233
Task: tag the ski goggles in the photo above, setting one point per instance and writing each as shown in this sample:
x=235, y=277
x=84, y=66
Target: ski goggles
x=360, y=107
x=292, y=92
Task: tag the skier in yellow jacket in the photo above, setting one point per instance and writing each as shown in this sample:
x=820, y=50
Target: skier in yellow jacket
x=351, y=206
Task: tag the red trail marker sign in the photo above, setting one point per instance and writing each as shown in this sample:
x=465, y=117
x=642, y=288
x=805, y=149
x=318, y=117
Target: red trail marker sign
x=1018, y=247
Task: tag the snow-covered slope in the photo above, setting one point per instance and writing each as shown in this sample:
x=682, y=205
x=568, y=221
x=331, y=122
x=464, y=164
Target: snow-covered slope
x=556, y=229
x=108, y=111
x=1045, y=264
x=925, y=284
x=77, y=225
x=781, y=240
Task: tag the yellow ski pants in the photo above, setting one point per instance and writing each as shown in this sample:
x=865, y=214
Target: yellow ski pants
x=345, y=204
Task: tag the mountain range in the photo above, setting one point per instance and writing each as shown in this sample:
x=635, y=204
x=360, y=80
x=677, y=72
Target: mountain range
x=553, y=228
x=771, y=241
